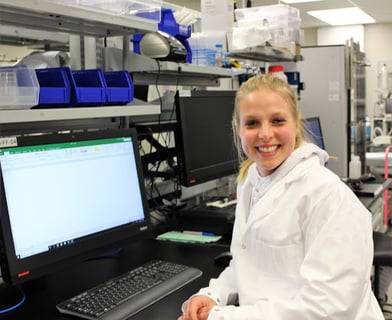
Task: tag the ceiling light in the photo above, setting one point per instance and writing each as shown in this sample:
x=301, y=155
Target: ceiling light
x=344, y=16
x=299, y=1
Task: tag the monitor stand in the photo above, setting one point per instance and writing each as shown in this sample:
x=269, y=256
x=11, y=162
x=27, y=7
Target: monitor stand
x=11, y=297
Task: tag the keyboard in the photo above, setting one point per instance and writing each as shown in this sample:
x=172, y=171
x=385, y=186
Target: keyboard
x=131, y=292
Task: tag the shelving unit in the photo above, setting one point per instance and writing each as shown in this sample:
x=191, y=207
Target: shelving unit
x=56, y=17
x=146, y=71
x=266, y=54
x=52, y=16
x=35, y=115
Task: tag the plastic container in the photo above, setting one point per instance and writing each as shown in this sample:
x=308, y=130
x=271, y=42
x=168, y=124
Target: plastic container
x=204, y=49
x=383, y=81
x=293, y=78
x=55, y=88
x=19, y=88
x=148, y=10
x=169, y=25
x=368, y=128
x=281, y=24
x=272, y=11
x=203, y=57
x=119, y=87
x=355, y=167
x=278, y=71
x=88, y=87
x=219, y=57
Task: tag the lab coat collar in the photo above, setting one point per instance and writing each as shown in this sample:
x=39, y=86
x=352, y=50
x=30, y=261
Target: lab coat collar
x=264, y=184
x=291, y=170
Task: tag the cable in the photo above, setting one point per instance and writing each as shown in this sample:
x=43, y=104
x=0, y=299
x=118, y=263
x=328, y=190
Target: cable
x=16, y=305
x=165, y=139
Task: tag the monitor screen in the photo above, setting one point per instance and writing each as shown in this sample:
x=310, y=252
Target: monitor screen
x=66, y=198
x=314, y=132
x=204, y=138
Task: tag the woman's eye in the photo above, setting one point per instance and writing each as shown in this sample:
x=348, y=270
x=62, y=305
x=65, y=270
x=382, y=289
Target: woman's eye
x=250, y=123
x=278, y=121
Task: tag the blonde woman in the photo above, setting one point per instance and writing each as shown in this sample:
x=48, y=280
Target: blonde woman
x=302, y=241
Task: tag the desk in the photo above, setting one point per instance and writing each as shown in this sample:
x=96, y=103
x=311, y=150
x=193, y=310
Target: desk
x=43, y=294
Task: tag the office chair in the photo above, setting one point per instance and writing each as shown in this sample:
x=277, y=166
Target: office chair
x=382, y=262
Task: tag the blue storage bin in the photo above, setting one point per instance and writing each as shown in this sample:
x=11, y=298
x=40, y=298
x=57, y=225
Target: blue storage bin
x=54, y=86
x=88, y=87
x=169, y=25
x=119, y=87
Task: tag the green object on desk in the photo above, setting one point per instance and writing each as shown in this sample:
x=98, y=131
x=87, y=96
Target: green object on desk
x=185, y=237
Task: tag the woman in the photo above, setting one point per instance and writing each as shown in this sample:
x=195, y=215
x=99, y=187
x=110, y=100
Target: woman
x=302, y=241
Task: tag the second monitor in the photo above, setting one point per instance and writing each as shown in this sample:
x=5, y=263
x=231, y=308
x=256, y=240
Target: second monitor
x=204, y=139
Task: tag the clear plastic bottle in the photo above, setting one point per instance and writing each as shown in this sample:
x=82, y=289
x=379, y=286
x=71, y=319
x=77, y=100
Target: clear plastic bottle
x=219, y=55
x=355, y=167
x=368, y=128
x=383, y=81
x=278, y=71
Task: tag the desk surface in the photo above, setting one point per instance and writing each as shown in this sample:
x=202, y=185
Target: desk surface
x=43, y=294
x=369, y=201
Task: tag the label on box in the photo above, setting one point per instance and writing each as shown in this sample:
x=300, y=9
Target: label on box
x=8, y=142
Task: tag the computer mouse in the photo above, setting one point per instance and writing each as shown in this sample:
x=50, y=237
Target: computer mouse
x=223, y=259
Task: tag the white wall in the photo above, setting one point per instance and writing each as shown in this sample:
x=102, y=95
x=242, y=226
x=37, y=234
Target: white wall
x=339, y=35
x=310, y=37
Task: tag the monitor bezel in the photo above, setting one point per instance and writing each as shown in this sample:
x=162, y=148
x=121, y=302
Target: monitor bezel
x=310, y=133
x=15, y=271
x=191, y=177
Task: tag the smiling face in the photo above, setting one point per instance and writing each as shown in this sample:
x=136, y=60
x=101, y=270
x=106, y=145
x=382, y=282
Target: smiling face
x=267, y=129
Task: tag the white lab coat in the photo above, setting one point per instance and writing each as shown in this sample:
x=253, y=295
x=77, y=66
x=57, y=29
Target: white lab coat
x=304, y=252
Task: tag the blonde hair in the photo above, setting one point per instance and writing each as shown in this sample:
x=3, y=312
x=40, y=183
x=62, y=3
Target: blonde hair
x=280, y=87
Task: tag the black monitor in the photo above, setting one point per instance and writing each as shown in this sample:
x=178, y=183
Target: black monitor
x=66, y=198
x=204, y=139
x=313, y=128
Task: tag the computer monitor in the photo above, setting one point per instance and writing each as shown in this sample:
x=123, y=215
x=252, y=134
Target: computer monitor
x=203, y=136
x=314, y=132
x=66, y=198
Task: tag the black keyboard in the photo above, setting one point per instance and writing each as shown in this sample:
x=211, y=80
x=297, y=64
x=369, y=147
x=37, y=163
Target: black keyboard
x=131, y=292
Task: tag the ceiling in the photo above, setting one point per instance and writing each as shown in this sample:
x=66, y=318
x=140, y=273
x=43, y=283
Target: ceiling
x=380, y=10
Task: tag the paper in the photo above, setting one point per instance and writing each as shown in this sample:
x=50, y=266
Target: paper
x=184, y=237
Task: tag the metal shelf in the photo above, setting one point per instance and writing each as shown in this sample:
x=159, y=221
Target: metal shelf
x=36, y=115
x=50, y=16
x=266, y=53
x=146, y=70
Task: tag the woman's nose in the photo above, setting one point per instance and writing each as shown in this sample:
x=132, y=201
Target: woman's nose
x=265, y=132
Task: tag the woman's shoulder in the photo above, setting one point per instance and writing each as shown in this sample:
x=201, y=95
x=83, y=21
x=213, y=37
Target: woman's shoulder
x=318, y=177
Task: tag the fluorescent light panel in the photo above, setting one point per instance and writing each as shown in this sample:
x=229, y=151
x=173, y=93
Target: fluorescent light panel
x=344, y=16
x=299, y=1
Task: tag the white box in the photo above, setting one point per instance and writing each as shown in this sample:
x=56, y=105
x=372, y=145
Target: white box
x=217, y=15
